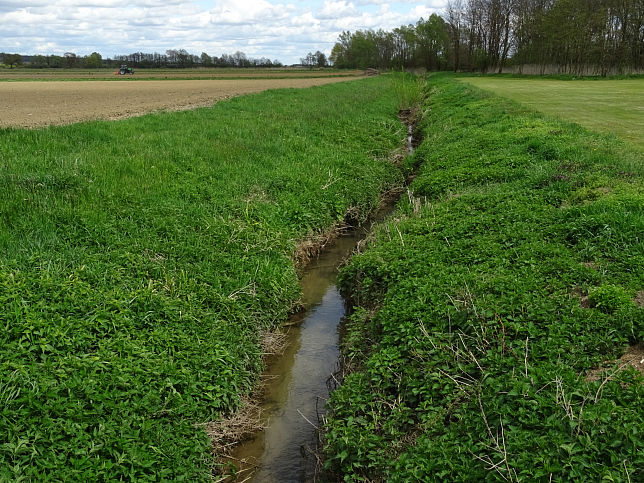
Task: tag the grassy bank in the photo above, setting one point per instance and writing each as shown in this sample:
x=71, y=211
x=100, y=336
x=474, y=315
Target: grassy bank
x=140, y=261
x=491, y=309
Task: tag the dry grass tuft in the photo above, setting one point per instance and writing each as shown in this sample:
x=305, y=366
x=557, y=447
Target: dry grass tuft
x=273, y=343
x=311, y=247
x=239, y=426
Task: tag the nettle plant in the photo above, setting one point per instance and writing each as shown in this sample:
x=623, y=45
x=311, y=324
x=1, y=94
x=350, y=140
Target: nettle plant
x=476, y=353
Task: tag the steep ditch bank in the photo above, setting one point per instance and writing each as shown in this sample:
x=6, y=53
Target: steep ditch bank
x=471, y=342
x=295, y=383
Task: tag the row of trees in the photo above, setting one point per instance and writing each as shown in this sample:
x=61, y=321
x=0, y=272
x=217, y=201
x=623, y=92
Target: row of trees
x=172, y=58
x=569, y=36
x=573, y=36
x=605, y=34
x=425, y=44
x=68, y=60
x=182, y=59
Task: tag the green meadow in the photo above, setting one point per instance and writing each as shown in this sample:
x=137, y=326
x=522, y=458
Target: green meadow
x=492, y=309
x=605, y=105
x=141, y=261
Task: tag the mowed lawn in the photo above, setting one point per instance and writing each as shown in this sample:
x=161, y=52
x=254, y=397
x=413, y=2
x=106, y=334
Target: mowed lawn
x=609, y=106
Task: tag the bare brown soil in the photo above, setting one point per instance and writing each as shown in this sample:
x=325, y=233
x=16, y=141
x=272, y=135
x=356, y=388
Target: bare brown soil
x=147, y=74
x=35, y=104
x=639, y=299
x=632, y=357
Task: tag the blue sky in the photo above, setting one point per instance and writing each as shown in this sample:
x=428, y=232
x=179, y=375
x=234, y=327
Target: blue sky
x=283, y=30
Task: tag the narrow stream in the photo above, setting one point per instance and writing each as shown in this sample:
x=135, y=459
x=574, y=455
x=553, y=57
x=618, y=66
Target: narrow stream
x=297, y=390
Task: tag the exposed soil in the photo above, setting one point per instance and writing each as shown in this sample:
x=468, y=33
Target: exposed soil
x=82, y=74
x=632, y=357
x=36, y=104
x=639, y=299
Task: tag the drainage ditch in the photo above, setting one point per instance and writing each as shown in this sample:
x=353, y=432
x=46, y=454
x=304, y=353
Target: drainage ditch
x=296, y=389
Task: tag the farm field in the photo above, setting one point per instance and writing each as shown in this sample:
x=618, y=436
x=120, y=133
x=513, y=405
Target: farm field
x=178, y=74
x=142, y=260
x=32, y=104
x=498, y=332
x=608, y=106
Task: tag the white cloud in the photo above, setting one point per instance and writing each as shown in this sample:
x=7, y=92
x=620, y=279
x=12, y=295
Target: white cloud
x=284, y=31
x=332, y=10
x=247, y=12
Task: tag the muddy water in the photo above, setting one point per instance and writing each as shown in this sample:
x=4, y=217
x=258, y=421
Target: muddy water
x=297, y=390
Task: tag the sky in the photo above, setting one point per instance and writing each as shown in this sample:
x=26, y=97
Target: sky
x=284, y=31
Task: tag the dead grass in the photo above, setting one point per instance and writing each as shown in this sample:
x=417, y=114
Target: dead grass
x=273, y=343
x=308, y=249
x=239, y=426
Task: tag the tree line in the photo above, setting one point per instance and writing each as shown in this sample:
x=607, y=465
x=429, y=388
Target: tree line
x=564, y=36
x=182, y=59
x=171, y=59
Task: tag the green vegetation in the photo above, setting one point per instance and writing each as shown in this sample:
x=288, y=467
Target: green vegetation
x=141, y=259
x=513, y=268
x=408, y=90
x=555, y=36
x=609, y=106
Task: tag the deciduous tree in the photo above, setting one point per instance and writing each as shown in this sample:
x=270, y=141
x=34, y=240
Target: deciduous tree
x=12, y=60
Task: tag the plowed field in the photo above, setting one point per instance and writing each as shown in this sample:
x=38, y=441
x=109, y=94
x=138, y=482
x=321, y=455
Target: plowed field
x=34, y=104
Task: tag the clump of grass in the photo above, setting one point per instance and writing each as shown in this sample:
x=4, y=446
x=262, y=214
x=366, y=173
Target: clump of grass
x=408, y=90
x=472, y=341
x=610, y=298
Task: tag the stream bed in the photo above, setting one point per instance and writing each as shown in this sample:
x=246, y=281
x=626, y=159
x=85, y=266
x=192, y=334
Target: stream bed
x=296, y=390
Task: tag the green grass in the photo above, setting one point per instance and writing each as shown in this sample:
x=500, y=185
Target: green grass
x=408, y=89
x=508, y=273
x=608, y=106
x=140, y=260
